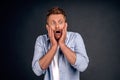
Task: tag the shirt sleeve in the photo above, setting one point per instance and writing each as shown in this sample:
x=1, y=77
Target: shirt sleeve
x=38, y=53
x=82, y=60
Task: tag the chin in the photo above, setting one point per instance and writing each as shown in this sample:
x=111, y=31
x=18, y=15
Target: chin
x=57, y=38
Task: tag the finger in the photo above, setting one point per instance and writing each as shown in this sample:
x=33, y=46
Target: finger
x=50, y=32
x=64, y=31
x=66, y=27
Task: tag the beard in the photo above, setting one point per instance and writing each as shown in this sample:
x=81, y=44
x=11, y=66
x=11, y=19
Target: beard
x=57, y=34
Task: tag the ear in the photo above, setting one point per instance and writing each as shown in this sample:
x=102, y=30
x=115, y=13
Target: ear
x=46, y=26
x=66, y=25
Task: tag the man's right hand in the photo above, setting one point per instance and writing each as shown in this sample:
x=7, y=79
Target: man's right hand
x=51, y=36
x=46, y=59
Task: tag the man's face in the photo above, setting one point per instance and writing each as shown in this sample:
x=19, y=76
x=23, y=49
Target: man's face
x=57, y=22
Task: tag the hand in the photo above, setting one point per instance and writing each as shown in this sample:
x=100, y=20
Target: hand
x=63, y=37
x=51, y=36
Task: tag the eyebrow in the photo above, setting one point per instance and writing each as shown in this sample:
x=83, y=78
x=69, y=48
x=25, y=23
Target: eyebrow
x=58, y=20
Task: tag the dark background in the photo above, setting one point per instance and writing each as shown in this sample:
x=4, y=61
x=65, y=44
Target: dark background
x=23, y=21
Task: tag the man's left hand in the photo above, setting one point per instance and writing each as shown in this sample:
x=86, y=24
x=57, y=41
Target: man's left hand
x=63, y=37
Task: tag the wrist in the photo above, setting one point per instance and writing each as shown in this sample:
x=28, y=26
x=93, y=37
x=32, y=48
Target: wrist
x=62, y=45
x=54, y=46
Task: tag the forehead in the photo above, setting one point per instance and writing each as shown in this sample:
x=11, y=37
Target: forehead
x=56, y=17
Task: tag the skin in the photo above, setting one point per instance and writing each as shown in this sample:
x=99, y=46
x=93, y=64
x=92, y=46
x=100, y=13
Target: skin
x=57, y=22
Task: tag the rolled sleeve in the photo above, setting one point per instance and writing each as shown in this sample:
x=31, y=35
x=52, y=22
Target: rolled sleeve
x=82, y=60
x=37, y=69
x=38, y=53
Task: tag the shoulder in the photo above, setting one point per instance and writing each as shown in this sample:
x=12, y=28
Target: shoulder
x=73, y=34
x=43, y=37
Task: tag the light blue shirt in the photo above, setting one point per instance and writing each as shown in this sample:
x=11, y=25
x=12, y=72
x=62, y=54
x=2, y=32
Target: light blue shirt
x=66, y=71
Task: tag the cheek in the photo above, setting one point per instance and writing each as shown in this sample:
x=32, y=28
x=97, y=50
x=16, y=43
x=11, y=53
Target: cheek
x=52, y=27
x=62, y=26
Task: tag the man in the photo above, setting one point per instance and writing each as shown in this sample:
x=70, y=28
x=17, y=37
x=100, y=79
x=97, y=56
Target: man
x=60, y=55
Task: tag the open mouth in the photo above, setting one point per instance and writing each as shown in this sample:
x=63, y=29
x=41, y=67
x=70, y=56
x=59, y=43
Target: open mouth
x=58, y=34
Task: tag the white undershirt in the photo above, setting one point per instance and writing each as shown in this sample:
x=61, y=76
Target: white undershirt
x=55, y=69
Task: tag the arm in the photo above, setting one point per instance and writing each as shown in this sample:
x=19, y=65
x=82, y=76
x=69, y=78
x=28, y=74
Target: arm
x=38, y=53
x=82, y=59
x=77, y=58
x=46, y=59
x=70, y=55
x=40, y=61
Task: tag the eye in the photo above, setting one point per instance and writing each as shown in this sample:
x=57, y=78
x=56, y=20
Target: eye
x=60, y=22
x=53, y=23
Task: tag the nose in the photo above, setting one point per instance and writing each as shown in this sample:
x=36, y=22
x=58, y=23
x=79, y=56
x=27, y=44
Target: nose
x=57, y=26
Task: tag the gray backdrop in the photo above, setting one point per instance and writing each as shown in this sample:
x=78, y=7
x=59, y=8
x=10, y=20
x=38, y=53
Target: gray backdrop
x=97, y=21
